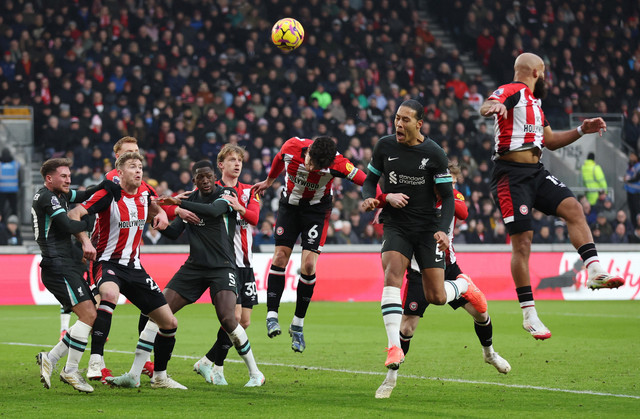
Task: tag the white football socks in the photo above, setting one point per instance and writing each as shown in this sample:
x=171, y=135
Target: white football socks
x=391, y=306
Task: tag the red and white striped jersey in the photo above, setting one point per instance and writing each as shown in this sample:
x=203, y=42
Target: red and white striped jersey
x=118, y=232
x=523, y=126
x=169, y=209
x=243, y=238
x=461, y=213
x=309, y=188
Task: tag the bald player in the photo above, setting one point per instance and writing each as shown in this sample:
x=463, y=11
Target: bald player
x=520, y=182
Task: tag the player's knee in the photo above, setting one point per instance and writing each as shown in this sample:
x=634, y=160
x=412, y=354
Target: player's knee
x=110, y=296
x=521, y=246
x=308, y=266
x=407, y=329
x=229, y=324
x=245, y=323
x=89, y=317
x=280, y=258
x=481, y=317
x=169, y=323
x=391, y=279
x=437, y=298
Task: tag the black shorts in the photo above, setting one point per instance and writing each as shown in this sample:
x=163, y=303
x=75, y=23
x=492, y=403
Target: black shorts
x=309, y=220
x=66, y=282
x=191, y=282
x=420, y=244
x=247, y=293
x=519, y=187
x=135, y=284
x=414, y=301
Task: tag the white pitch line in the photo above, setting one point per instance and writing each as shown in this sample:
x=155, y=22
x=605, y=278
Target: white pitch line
x=419, y=377
x=609, y=316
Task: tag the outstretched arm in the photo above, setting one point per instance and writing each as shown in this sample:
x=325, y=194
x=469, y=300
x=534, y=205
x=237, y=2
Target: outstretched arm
x=107, y=185
x=556, y=140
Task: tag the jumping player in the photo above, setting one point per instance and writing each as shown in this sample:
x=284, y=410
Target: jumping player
x=520, y=182
x=415, y=304
x=414, y=167
x=304, y=209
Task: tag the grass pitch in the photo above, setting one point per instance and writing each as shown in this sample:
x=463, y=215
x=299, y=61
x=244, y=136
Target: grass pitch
x=589, y=368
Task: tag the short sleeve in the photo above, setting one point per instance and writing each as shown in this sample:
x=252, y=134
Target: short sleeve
x=51, y=204
x=342, y=167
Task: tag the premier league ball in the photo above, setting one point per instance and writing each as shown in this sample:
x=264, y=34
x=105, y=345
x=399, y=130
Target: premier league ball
x=287, y=34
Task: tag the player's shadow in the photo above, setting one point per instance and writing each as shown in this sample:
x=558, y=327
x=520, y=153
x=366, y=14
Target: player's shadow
x=566, y=279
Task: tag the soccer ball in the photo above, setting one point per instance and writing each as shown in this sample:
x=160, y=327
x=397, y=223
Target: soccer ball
x=287, y=34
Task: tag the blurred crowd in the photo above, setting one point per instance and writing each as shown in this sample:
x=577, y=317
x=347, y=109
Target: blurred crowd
x=185, y=77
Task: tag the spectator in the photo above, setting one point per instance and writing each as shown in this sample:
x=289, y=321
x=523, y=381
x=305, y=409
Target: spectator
x=589, y=212
x=500, y=234
x=605, y=206
x=153, y=237
x=264, y=236
x=604, y=227
x=211, y=148
x=543, y=236
x=560, y=232
x=620, y=234
x=82, y=153
x=634, y=236
x=621, y=218
x=593, y=178
x=9, y=183
x=632, y=186
x=10, y=233
x=632, y=131
x=346, y=235
x=96, y=177
x=369, y=235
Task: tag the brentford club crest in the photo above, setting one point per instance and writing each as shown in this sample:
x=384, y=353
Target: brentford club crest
x=413, y=306
x=524, y=210
x=279, y=231
x=110, y=272
x=142, y=200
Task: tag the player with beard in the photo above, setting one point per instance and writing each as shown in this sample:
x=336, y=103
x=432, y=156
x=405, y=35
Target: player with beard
x=61, y=272
x=415, y=303
x=212, y=262
x=520, y=182
x=414, y=168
